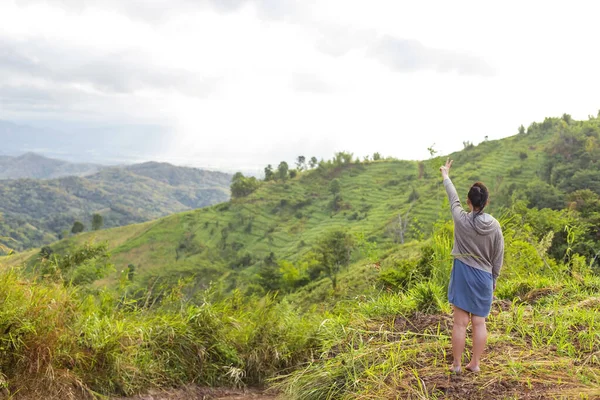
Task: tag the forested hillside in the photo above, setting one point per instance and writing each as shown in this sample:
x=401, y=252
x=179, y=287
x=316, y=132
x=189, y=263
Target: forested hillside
x=38, y=212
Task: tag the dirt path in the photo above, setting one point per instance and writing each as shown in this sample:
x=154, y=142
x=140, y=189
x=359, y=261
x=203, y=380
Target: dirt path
x=203, y=393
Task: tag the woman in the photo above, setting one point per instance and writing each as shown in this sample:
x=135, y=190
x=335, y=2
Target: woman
x=478, y=252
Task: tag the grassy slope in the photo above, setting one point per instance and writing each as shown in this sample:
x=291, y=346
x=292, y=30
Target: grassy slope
x=385, y=346
x=287, y=218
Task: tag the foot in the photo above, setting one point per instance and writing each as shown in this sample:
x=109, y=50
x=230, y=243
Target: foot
x=472, y=367
x=455, y=369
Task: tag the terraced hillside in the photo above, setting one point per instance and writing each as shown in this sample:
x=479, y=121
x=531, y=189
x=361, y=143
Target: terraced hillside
x=283, y=220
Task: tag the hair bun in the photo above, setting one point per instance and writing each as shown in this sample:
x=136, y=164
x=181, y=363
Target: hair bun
x=478, y=195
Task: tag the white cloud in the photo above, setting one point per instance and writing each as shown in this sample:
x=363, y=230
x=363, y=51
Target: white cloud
x=250, y=82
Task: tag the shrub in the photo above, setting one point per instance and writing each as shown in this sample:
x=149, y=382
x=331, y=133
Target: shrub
x=428, y=296
x=398, y=278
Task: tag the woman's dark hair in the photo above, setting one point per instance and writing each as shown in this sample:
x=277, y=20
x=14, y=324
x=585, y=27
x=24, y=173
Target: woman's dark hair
x=478, y=195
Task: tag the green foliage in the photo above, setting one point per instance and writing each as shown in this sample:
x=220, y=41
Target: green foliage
x=242, y=186
x=574, y=152
x=301, y=163
x=376, y=156
x=82, y=266
x=342, y=158
x=97, y=222
x=104, y=349
x=428, y=296
x=269, y=174
x=542, y=195
x=282, y=171
x=77, y=227
x=467, y=145
x=333, y=251
x=46, y=252
x=335, y=186
x=269, y=274
x=400, y=277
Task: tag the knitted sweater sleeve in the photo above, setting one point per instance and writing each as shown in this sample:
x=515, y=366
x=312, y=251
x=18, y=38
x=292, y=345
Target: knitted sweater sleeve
x=455, y=206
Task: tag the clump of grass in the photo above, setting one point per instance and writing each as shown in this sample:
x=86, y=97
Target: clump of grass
x=428, y=297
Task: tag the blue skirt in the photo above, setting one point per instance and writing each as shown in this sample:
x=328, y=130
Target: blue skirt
x=471, y=289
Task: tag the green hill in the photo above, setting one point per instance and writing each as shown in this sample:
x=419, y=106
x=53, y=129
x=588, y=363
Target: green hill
x=38, y=212
x=232, y=240
x=272, y=316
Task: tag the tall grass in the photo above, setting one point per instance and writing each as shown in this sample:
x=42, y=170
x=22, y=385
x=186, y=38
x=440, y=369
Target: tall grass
x=59, y=343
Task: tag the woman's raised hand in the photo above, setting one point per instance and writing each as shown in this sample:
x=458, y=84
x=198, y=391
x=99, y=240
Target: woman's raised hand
x=445, y=169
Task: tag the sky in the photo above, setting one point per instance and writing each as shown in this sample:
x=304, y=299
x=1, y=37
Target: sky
x=239, y=84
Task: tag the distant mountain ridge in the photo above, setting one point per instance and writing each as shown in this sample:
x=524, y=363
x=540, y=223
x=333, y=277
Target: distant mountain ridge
x=35, y=212
x=120, y=144
x=36, y=166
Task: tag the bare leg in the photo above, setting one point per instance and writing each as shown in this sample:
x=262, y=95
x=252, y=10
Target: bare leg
x=479, y=339
x=459, y=337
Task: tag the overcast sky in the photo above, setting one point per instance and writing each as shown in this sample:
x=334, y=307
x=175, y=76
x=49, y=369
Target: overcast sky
x=243, y=83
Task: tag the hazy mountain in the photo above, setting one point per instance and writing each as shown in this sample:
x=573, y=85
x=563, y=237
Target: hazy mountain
x=32, y=165
x=119, y=144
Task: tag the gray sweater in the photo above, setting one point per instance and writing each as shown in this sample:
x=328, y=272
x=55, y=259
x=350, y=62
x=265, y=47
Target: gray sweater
x=478, y=240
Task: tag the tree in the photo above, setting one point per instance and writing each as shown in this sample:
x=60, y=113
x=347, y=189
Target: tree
x=376, y=156
x=584, y=201
x=542, y=195
x=301, y=163
x=269, y=275
x=293, y=173
x=335, y=187
x=282, y=170
x=77, y=227
x=97, y=222
x=242, y=186
x=333, y=252
x=313, y=162
x=521, y=130
x=269, y=174
x=342, y=158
